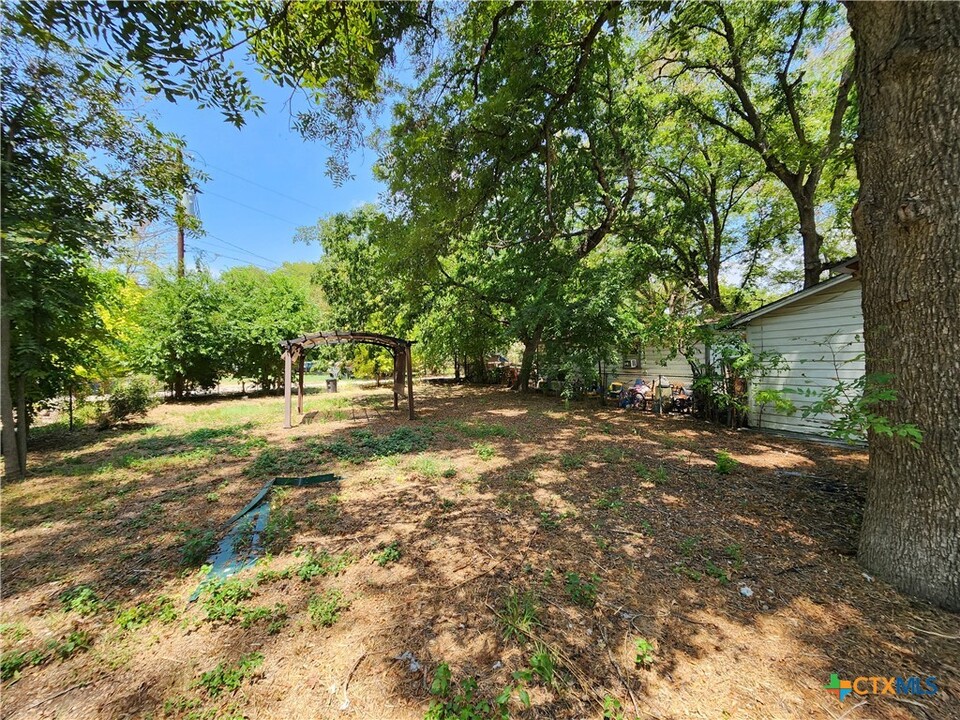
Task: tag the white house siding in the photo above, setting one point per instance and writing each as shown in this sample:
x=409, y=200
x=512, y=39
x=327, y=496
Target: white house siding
x=821, y=340
x=653, y=362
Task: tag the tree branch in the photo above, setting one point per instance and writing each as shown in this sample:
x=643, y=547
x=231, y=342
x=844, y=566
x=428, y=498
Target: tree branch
x=501, y=14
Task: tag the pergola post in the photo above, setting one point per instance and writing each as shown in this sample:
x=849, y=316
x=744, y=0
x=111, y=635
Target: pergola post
x=396, y=395
x=300, y=384
x=410, y=377
x=287, y=373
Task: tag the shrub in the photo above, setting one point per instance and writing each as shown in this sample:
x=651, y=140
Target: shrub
x=131, y=399
x=725, y=463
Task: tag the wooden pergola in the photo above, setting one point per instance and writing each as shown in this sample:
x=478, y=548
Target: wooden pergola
x=295, y=350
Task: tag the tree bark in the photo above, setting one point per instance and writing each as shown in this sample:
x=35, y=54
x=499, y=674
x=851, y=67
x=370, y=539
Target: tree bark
x=812, y=241
x=907, y=224
x=530, y=346
x=8, y=436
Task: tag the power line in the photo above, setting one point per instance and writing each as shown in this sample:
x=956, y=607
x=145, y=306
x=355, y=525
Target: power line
x=243, y=249
x=219, y=250
x=217, y=254
x=265, y=187
x=250, y=207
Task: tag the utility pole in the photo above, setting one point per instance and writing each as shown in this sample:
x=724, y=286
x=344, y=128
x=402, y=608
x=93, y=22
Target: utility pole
x=181, y=220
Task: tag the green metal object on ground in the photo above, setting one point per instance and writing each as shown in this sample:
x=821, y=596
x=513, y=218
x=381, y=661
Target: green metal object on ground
x=235, y=552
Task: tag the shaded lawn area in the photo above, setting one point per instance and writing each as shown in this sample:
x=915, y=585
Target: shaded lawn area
x=596, y=552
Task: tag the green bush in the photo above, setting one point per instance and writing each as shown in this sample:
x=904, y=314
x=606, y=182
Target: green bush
x=725, y=464
x=132, y=399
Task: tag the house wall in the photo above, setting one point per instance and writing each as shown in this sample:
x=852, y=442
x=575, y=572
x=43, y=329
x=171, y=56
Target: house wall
x=652, y=362
x=821, y=340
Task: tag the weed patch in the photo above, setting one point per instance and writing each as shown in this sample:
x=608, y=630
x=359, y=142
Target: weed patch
x=643, y=650
x=484, y=451
x=141, y=614
x=325, y=607
x=364, y=445
x=520, y=616
x=223, y=600
x=612, y=500
x=322, y=564
x=390, y=554
x=460, y=701
x=229, y=678
x=197, y=546
x=482, y=430
x=279, y=530
x=81, y=600
x=583, y=591
x=571, y=461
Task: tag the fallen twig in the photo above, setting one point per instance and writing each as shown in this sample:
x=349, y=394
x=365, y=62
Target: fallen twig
x=616, y=667
x=58, y=694
x=858, y=705
x=346, y=685
x=935, y=634
x=475, y=577
x=626, y=532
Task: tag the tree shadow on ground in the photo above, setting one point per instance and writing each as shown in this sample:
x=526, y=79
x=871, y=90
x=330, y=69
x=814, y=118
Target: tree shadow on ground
x=537, y=493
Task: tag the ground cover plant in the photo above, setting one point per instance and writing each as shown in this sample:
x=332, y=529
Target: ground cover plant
x=544, y=581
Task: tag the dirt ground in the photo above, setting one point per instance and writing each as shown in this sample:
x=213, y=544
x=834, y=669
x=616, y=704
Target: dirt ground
x=606, y=527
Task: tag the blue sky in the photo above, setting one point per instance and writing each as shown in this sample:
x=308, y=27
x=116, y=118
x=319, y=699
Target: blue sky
x=265, y=181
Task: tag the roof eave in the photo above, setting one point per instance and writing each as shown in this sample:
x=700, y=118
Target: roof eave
x=790, y=299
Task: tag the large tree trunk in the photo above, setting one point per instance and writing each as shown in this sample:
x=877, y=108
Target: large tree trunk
x=8, y=435
x=530, y=346
x=713, y=286
x=908, y=234
x=812, y=240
